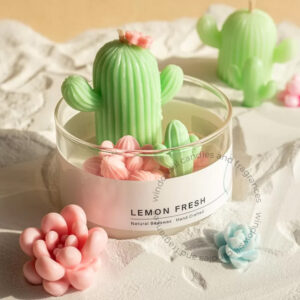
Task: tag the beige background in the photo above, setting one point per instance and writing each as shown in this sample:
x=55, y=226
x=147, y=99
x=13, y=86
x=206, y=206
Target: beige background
x=63, y=19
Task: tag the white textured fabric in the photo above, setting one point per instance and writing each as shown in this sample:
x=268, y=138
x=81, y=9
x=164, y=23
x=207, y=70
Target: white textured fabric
x=266, y=142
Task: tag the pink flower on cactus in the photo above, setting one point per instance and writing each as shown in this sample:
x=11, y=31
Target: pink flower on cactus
x=135, y=38
x=64, y=252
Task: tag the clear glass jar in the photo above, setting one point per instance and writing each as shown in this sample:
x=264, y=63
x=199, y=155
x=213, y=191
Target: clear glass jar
x=128, y=208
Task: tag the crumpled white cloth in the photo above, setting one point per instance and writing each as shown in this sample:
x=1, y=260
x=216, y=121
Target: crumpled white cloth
x=266, y=142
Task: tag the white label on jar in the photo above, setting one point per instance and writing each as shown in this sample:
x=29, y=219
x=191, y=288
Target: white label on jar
x=148, y=205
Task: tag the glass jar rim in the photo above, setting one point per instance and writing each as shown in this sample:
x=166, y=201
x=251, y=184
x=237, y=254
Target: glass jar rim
x=189, y=79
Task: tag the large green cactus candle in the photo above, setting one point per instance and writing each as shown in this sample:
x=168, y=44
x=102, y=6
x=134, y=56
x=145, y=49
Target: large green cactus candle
x=245, y=34
x=128, y=90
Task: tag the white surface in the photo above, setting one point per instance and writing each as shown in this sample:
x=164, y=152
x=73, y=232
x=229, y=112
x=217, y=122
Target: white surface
x=266, y=142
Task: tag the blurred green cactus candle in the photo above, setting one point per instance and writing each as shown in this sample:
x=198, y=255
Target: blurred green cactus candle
x=247, y=42
x=128, y=90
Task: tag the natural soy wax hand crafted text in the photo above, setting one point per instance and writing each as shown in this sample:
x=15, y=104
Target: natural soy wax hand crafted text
x=247, y=51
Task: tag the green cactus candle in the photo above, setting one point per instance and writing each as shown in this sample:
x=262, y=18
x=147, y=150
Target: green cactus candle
x=180, y=161
x=251, y=80
x=245, y=34
x=128, y=90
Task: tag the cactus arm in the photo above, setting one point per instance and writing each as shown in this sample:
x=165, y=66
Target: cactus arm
x=79, y=95
x=196, y=149
x=252, y=80
x=286, y=50
x=254, y=87
x=235, y=76
x=268, y=90
x=164, y=159
x=208, y=31
x=171, y=79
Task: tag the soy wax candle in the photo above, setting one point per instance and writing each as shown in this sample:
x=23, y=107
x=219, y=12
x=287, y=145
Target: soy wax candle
x=247, y=51
x=128, y=208
x=132, y=146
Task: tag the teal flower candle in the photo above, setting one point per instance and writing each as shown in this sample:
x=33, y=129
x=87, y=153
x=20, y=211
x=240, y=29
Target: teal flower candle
x=247, y=34
x=237, y=245
x=128, y=90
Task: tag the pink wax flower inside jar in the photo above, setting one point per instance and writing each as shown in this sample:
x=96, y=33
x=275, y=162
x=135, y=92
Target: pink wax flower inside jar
x=125, y=165
x=64, y=252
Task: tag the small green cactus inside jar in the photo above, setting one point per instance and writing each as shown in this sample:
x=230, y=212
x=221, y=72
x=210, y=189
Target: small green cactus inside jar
x=246, y=34
x=181, y=161
x=128, y=90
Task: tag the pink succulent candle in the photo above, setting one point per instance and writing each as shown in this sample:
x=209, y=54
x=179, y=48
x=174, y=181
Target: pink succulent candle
x=290, y=96
x=63, y=251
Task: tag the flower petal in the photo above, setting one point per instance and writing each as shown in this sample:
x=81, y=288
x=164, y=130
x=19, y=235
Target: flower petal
x=71, y=240
x=30, y=273
x=236, y=242
x=55, y=222
x=81, y=278
x=250, y=243
x=92, y=165
x=239, y=263
x=95, y=243
x=239, y=234
x=39, y=249
x=69, y=256
x=96, y=264
x=134, y=163
x=56, y=288
x=128, y=142
x=229, y=231
x=80, y=230
x=232, y=253
x=223, y=256
x=49, y=269
x=245, y=229
x=73, y=213
x=27, y=238
x=51, y=239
